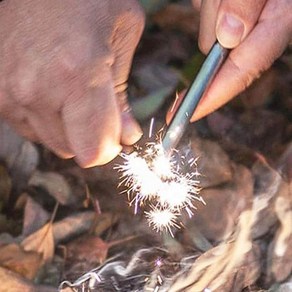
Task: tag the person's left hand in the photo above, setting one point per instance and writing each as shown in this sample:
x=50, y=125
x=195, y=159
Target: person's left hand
x=63, y=74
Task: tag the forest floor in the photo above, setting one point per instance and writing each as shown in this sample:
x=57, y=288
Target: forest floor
x=72, y=229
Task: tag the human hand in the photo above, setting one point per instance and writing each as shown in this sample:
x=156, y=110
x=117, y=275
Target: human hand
x=257, y=31
x=63, y=74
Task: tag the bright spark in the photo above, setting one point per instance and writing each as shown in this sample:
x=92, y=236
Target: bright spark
x=162, y=219
x=151, y=127
x=158, y=262
x=152, y=177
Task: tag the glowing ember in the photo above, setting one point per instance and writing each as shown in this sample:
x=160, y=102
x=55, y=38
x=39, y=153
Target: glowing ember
x=152, y=177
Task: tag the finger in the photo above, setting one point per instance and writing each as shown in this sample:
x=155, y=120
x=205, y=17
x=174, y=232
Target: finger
x=197, y=4
x=244, y=64
x=41, y=112
x=236, y=19
x=208, y=16
x=92, y=124
x=48, y=127
x=125, y=41
x=131, y=131
x=23, y=128
x=16, y=117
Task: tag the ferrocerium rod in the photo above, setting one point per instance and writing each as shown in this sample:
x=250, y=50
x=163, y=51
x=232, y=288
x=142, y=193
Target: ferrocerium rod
x=183, y=114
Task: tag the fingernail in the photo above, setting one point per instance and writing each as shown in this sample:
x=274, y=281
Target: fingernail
x=131, y=131
x=230, y=31
x=91, y=158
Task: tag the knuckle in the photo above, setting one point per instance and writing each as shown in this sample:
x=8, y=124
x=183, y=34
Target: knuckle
x=70, y=61
x=23, y=91
x=244, y=76
x=72, y=55
x=246, y=10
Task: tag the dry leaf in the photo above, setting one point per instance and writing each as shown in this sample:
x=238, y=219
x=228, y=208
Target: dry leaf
x=104, y=221
x=55, y=184
x=91, y=249
x=24, y=165
x=224, y=204
x=210, y=154
x=34, y=217
x=12, y=282
x=42, y=242
x=25, y=263
x=73, y=225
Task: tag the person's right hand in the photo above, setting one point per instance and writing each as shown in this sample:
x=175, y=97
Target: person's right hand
x=63, y=74
x=257, y=31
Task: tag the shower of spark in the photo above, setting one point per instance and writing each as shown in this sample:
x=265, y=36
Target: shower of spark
x=160, y=184
x=162, y=219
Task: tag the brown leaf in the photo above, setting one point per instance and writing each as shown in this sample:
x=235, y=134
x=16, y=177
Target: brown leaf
x=91, y=249
x=42, y=242
x=104, y=221
x=73, y=225
x=224, y=204
x=34, y=217
x=25, y=263
x=25, y=164
x=53, y=183
x=214, y=164
x=12, y=282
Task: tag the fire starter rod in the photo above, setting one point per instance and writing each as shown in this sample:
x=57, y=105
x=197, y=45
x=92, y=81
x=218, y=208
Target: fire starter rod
x=183, y=114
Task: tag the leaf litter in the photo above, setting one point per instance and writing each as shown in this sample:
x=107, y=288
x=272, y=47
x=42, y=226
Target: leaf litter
x=239, y=241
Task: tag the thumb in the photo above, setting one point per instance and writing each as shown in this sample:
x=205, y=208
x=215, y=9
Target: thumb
x=235, y=20
x=245, y=63
x=92, y=124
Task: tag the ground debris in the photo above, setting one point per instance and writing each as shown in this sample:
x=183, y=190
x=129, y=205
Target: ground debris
x=55, y=184
x=42, y=242
x=12, y=282
x=240, y=241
